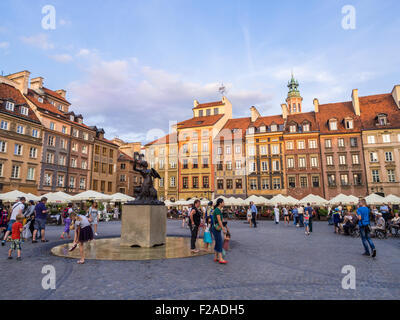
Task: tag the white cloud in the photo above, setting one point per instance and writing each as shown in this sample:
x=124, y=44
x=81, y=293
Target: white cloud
x=4, y=45
x=63, y=58
x=40, y=41
x=129, y=99
x=83, y=52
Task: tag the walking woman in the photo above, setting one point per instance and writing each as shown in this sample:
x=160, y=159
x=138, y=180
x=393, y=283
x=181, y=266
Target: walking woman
x=194, y=224
x=93, y=213
x=216, y=230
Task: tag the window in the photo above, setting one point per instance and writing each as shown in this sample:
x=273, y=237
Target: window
x=96, y=166
x=185, y=148
x=103, y=168
x=82, y=183
x=96, y=185
x=349, y=124
x=329, y=160
x=328, y=143
x=35, y=133
x=200, y=113
x=229, y=165
x=4, y=125
x=220, y=166
x=274, y=128
x=290, y=163
x=122, y=178
x=341, y=142
x=229, y=184
x=389, y=156
x=344, y=179
x=333, y=125
x=391, y=175
x=263, y=150
x=206, y=182
x=252, y=166
x=251, y=150
x=18, y=150
x=48, y=177
x=355, y=158
x=62, y=160
x=109, y=187
x=205, y=162
x=300, y=144
x=373, y=156
x=97, y=150
x=289, y=145
x=24, y=110
x=3, y=146
x=205, y=133
x=303, y=182
x=306, y=127
x=382, y=119
x=33, y=153
x=264, y=166
x=371, y=139
x=60, y=181
x=74, y=146
x=205, y=147
x=238, y=149
x=315, y=182
x=251, y=130
x=40, y=99
x=314, y=162
x=172, y=164
x=185, y=183
x=386, y=138
x=275, y=165
x=75, y=133
x=161, y=183
x=302, y=162
x=219, y=150
x=208, y=112
x=275, y=149
x=276, y=182
x=342, y=160
x=63, y=144
x=220, y=184
x=185, y=164
x=123, y=166
x=111, y=153
x=52, y=126
x=51, y=141
x=238, y=164
x=84, y=164
x=253, y=184
x=293, y=128
x=31, y=174
x=194, y=148
x=238, y=183
x=312, y=144
x=20, y=129
x=10, y=106
x=353, y=142
x=172, y=182
x=73, y=162
x=357, y=179
x=331, y=180
x=215, y=111
x=228, y=149
x=161, y=164
x=85, y=136
x=292, y=182
x=84, y=149
x=375, y=176
x=195, y=163
x=49, y=158
x=72, y=182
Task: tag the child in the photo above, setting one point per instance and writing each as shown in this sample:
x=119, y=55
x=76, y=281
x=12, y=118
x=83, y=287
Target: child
x=225, y=246
x=307, y=222
x=16, y=230
x=207, y=234
x=67, y=221
x=83, y=233
x=3, y=221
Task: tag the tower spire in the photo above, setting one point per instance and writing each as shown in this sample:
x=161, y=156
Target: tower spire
x=294, y=99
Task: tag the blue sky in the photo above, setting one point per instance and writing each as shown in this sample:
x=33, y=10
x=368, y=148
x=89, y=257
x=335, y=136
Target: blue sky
x=123, y=62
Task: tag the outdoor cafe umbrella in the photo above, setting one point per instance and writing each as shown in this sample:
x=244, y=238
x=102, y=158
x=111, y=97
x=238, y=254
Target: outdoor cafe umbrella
x=313, y=199
x=120, y=197
x=291, y=201
x=12, y=196
x=279, y=199
x=30, y=196
x=91, y=195
x=256, y=200
x=340, y=198
x=392, y=199
x=374, y=199
x=57, y=197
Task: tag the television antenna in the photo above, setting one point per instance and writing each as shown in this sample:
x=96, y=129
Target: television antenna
x=222, y=89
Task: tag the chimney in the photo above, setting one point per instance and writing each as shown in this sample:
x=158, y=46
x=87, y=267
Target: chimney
x=284, y=110
x=254, y=114
x=356, y=102
x=316, y=105
x=62, y=93
x=396, y=95
x=21, y=79
x=37, y=83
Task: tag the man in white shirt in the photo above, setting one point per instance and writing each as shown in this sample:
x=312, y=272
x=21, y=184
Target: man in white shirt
x=301, y=216
x=17, y=208
x=276, y=214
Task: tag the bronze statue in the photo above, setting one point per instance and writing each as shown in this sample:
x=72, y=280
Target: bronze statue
x=146, y=194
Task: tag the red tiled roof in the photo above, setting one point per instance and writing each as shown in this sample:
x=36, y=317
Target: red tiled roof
x=372, y=106
x=200, y=121
x=124, y=157
x=54, y=94
x=9, y=92
x=340, y=111
x=300, y=118
x=209, y=105
x=267, y=121
x=169, y=138
x=239, y=123
x=32, y=96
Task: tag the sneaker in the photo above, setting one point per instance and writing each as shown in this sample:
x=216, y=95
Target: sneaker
x=19, y=259
x=374, y=253
x=366, y=254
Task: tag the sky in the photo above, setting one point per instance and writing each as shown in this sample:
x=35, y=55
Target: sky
x=135, y=67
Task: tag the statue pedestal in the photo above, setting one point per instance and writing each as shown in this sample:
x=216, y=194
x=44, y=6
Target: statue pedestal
x=143, y=225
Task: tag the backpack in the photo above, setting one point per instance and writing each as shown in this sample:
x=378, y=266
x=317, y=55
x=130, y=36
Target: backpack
x=65, y=213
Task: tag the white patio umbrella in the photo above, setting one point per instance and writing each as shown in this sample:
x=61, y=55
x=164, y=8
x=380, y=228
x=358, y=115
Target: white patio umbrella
x=255, y=199
x=120, y=197
x=340, y=198
x=374, y=199
x=57, y=197
x=291, y=201
x=31, y=196
x=204, y=202
x=239, y=202
x=12, y=196
x=352, y=200
x=313, y=199
x=392, y=199
x=91, y=195
x=279, y=199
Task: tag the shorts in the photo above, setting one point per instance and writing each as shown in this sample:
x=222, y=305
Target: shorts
x=307, y=223
x=40, y=224
x=10, y=224
x=15, y=244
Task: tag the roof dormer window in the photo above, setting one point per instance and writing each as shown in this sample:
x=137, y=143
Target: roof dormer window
x=306, y=127
x=382, y=119
x=333, y=125
x=10, y=106
x=293, y=128
x=251, y=130
x=200, y=113
x=24, y=111
x=274, y=128
x=60, y=107
x=40, y=99
x=263, y=129
x=349, y=124
x=71, y=117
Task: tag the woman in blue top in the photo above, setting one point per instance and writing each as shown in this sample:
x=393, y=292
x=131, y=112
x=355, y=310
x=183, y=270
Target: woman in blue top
x=216, y=230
